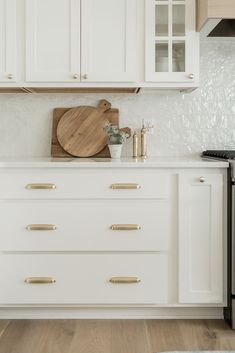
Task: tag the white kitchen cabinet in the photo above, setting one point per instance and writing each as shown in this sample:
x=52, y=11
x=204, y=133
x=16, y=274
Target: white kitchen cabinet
x=84, y=279
x=109, y=43
x=60, y=32
x=52, y=40
x=200, y=238
x=98, y=44
x=50, y=185
x=172, y=44
x=8, y=41
x=113, y=216
x=75, y=233
x=98, y=235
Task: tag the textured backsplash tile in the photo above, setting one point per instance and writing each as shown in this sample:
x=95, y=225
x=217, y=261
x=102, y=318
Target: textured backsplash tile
x=185, y=124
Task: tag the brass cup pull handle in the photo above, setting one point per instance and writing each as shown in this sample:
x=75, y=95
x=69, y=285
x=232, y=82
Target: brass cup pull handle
x=40, y=280
x=42, y=227
x=41, y=186
x=125, y=227
x=124, y=280
x=125, y=186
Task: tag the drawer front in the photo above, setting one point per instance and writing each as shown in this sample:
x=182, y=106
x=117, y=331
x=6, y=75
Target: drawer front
x=82, y=184
x=85, y=225
x=83, y=279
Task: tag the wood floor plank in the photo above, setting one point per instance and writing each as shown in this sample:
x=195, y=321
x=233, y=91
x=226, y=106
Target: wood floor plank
x=110, y=336
x=114, y=336
x=197, y=335
x=131, y=338
x=165, y=335
x=91, y=336
x=225, y=337
x=3, y=326
x=190, y=335
x=37, y=336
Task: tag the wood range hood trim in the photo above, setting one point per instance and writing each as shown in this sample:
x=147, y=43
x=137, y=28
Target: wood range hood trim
x=216, y=18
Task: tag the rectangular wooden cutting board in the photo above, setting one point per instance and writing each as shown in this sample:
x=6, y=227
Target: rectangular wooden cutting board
x=57, y=151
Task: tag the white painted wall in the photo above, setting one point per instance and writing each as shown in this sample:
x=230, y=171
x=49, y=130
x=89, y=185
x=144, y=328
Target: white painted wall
x=185, y=123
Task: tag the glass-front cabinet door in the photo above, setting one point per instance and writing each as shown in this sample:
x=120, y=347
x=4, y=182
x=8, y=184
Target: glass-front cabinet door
x=171, y=41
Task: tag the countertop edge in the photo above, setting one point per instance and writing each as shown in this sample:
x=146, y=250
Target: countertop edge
x=113, y=164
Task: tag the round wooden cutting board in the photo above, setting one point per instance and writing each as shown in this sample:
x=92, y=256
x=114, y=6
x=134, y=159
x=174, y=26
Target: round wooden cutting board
x=81, y=130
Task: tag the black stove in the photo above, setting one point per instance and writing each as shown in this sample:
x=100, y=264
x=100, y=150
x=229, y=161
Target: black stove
x=221, y=154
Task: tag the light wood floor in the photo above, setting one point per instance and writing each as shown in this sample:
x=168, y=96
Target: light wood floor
x=114, y=336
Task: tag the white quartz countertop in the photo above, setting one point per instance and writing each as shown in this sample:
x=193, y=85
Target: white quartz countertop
x=157, y=162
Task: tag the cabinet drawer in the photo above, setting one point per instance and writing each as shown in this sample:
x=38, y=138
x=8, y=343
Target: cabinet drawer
x=84, y=183
x=83, y=279
x=85, y=225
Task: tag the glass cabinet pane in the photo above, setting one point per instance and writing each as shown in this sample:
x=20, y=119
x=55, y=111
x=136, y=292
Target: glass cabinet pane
x=178, y=19
x=161, y=20
x=178, y=56
x=161, y=57
x=170, y=38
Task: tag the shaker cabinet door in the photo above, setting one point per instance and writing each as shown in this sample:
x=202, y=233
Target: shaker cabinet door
x=172, y=46
x=8, y=41
x=201, y=238
x=109, y=43
x=53, y=40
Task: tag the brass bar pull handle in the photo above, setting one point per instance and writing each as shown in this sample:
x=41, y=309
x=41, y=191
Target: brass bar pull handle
x=42, y=227
x=42, y=186
x=125, y=186
x=125, y=227
x=40, y=280
x=124, y=280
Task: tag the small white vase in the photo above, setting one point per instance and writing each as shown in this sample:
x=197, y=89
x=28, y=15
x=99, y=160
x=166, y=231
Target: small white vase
x=115, y=151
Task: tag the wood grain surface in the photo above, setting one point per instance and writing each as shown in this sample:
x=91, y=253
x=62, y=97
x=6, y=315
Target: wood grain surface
x=112, y=115
x=114, y=336
x=80, y=131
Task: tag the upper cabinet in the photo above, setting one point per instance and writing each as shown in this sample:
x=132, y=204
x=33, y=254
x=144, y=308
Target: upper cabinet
x=60, y=32
x=171, y=41
x=109, y=41
x=99, y=43
x=52, y=40
x=8, y=41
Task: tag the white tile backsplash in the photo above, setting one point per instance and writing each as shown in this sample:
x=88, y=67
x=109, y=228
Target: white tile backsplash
x=185, y=124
